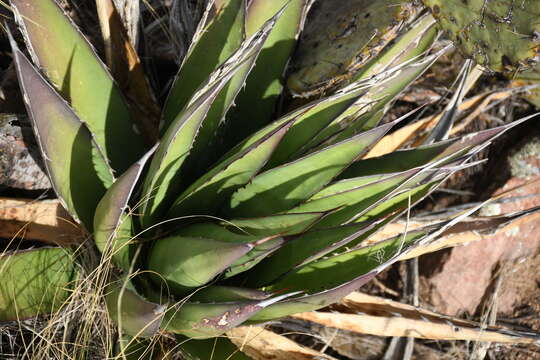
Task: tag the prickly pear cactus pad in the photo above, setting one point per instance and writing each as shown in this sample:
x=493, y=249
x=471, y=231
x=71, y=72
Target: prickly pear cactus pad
x=503, y=35
x=331, y=50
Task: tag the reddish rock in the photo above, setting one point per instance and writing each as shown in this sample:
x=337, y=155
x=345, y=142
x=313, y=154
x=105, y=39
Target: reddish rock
x=458, y=279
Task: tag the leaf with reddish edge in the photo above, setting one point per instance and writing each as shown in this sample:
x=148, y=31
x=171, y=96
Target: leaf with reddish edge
x=216, y=185
x=112, y=221
x=256, y=103
x=281, y=188
x=210, y=140
x=215, y=41
x=190, y=262
x=343, y=267
x=298, y=249
x=78, y=170
x=385, y=88
x=262, y=245
x=225, y=293
x=282, y=224
x=335, y=270
x=136, y=316
x=255, y=256
x=310, y=302
x=165, y=178
x=450, y=149
x=81, y=78
x=206, y=320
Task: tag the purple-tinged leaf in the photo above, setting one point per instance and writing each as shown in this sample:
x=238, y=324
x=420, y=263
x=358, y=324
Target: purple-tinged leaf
x=190, y=262
x=205, y=320
x=216, y=185
x=256, y=103
x=71, y=65
x=78, y=170
x=281, y=188
x=133, y=314
x=112, y=221
x=311, y=302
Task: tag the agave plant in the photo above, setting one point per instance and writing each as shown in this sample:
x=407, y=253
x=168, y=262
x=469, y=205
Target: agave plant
x=238, y=214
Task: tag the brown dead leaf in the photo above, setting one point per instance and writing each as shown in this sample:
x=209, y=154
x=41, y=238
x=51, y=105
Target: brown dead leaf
x=436, y=327
x=261, y=344
x=399, y=138
x=127, y=70
x=45, y=221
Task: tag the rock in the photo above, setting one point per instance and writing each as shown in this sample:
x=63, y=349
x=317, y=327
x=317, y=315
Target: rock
x=458, y=279
x=20, y=160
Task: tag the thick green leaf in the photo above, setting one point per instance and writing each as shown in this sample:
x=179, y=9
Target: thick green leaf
x=206, y=320
x=320, y=242
x=112, y=220
x=350, y=184
x=356, y=202
x=219, y=293
x=386, y=86
x=133, y=314
x=212, y=189
x=333, y=271
x=347, y=192
x=398, y=202
x=319, y=278
x=444, y=152
x=164, y=180
x=284, y=187
x=317, y=116
x=298, y=249
x=322, y=110
x=350, y=203
x=310, y=302
x=397, y=161
x=210, y=141
x=260, y=252
x=281, y=224
x=70, y=153
x=114, y=242
x=412, y=43
x=78, y=74
x=217, y=232
x=257, y=101
x=262, y=245
x=189, y=262
x=212, y=45
x=208, y=314
x=341, y=270
x=34, y=282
